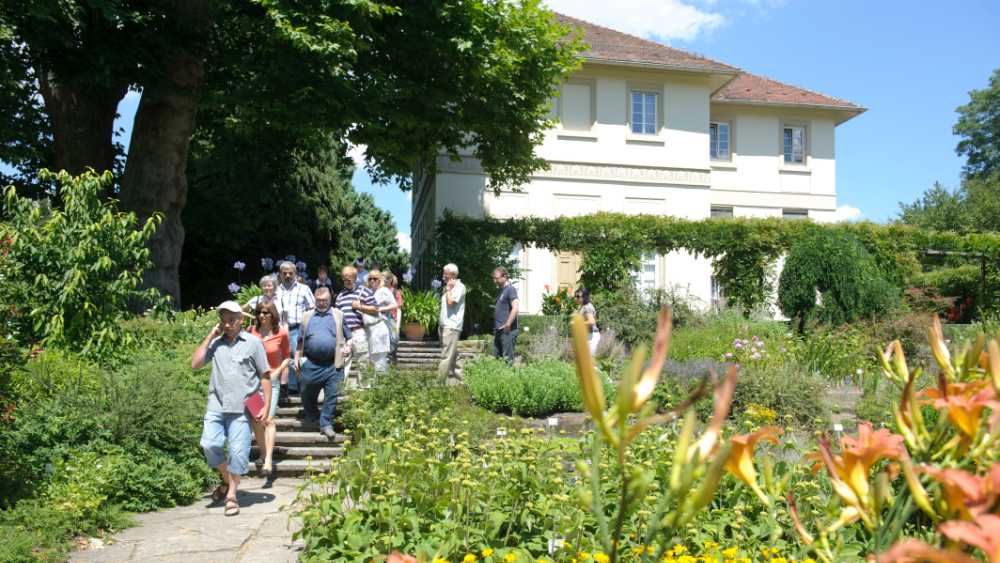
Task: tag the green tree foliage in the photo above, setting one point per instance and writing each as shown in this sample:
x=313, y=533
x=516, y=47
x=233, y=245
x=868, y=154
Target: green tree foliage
x=25, y=141
x=270, y=195
x=837, y=268
x=72, y=272
x=939, y=209
x=979, y=126
x=477, y=253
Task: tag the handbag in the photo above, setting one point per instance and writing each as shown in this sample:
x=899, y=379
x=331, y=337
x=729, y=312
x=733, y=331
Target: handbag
x=393, y=337
x=369, y=321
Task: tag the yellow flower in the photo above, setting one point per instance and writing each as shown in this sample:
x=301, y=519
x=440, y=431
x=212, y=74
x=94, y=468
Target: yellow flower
x=740, y=461
x=583, y=556
x=469, y=558
x=440, y=560
x=487, y=552
x=731, y=553
x=510, y=557
x=601, y=558
x=711, y=545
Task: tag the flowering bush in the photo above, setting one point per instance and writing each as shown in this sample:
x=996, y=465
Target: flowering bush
x=647, y=489
x=558, y=303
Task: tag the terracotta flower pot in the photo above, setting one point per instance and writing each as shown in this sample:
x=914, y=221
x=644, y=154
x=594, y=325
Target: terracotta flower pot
x=413, y=331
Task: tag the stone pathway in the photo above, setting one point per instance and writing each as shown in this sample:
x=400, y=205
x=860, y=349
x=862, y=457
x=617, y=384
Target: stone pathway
x=201, y=533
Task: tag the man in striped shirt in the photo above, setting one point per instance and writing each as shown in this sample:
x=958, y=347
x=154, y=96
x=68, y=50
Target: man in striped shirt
x=293, y=299
x=354, y=300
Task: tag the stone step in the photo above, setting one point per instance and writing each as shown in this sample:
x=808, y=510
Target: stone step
x=405, y=344
x=293, y=439
x=292, y=467
x=299, y=424
x=284, y=452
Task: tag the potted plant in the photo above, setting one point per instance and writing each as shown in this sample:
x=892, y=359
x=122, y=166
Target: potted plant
x=421, y=311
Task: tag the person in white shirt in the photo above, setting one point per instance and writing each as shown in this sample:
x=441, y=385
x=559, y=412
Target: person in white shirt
x=452, y=318
x=293, y=299
x=359, y=265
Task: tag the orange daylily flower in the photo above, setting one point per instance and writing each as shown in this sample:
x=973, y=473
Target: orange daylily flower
x=914, y=551
x=966, y=495
x=983, y=533
x=965, y=403
x=850, y=472
x=740, y=462
x=793, y=511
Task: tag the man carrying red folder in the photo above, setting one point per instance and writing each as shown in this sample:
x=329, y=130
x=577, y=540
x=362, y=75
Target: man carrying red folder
x=239, y=373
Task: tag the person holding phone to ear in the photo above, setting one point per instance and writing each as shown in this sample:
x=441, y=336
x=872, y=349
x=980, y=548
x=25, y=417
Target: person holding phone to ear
x=239, y=370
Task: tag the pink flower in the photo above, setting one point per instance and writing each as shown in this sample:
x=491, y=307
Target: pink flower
x=755, y=356
x=729, y=354
x=738, y=345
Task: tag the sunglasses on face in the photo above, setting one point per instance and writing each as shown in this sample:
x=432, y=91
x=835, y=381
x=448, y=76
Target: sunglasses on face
x=264, y=312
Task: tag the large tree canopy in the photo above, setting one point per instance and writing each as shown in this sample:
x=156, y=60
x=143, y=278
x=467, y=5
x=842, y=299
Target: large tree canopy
x=979, y=126
x=408, y=82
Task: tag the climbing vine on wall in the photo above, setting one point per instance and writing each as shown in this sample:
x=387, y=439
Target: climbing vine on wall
x=744, y=251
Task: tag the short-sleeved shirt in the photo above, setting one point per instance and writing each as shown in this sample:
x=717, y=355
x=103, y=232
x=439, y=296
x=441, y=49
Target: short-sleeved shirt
x=452, y=316
x=589, y=309
x=320, y=341
x=399, y=301
x=236, y=370
x=362, y=276
x=277, y=346
x=503, y=307
x=295, y=300
x=352, y=317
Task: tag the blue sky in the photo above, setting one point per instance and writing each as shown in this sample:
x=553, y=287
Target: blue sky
x=911, y=63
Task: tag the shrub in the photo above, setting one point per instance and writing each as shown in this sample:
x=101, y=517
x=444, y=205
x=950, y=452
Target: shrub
x=837, y=267
x=835, y=352
x=422, y=395
x=74, y=271
x=611, y=356
x=633, y=313
x=141, y=414
x=961, y=282
x=787, y=390
x=540, y=388
x=714, y=337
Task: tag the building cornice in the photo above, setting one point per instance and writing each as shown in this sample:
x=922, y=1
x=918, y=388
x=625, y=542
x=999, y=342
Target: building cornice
x=700, y=177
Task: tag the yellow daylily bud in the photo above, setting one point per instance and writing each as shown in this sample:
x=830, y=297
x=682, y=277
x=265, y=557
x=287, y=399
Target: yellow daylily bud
x=644, y=386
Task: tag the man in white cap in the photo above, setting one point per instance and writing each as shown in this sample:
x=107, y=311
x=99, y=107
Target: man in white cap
x=239, y=371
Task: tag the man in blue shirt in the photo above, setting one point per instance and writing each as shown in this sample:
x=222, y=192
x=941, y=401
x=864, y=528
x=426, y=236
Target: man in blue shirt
x=504, y=317
x=320, y=357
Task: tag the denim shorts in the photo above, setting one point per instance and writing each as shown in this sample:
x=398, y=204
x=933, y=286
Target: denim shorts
x=275, y=387
x=233, y=431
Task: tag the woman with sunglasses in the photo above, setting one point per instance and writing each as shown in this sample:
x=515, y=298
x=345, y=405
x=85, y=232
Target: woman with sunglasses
x=268, y=328
x=589, y=315
x=379, y=341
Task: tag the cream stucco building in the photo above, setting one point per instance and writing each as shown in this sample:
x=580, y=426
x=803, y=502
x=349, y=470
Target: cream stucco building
x=645, y=128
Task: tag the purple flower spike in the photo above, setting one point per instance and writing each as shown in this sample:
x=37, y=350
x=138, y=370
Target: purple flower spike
x=290, y=258
x=233, y=288
x=239, y=266
x=300, y=266
x=267, y=263
x=436, y=284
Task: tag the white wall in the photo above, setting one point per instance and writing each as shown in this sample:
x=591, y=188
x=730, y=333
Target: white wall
x=599, y=165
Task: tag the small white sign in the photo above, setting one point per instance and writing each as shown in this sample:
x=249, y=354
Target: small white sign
x=838, y=427
x=859, y=371
x=501, y=432
x=554, y=544
x=553, y=421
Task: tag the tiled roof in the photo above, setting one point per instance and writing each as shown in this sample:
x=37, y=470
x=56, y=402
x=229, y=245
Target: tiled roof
x=610, y=45
x=754, y=88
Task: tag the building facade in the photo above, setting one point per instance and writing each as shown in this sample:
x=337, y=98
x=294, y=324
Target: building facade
x=645, y=128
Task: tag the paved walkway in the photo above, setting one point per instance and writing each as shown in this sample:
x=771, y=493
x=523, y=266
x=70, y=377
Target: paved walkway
x=201, y=533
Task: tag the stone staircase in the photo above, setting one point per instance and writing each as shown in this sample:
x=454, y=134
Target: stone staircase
x=296, y=440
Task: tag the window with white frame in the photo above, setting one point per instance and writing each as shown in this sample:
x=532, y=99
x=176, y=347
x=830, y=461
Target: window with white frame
x=722, y=212
x=718, y=139
x=643, y=110
x=794, y=144
x=646, y=277
x=718, y=296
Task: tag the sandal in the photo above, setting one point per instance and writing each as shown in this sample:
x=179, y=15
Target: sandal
x=266, y=472
x=235, y=506
x=219, y=493
x=259, y=463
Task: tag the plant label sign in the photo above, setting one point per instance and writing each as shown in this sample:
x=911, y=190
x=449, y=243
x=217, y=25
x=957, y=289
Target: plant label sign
x=554, y=544
x=553, y=421
x=838, y=427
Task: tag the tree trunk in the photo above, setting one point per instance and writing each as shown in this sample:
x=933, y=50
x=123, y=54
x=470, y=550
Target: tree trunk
x=83, y=121
x=154, y=179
